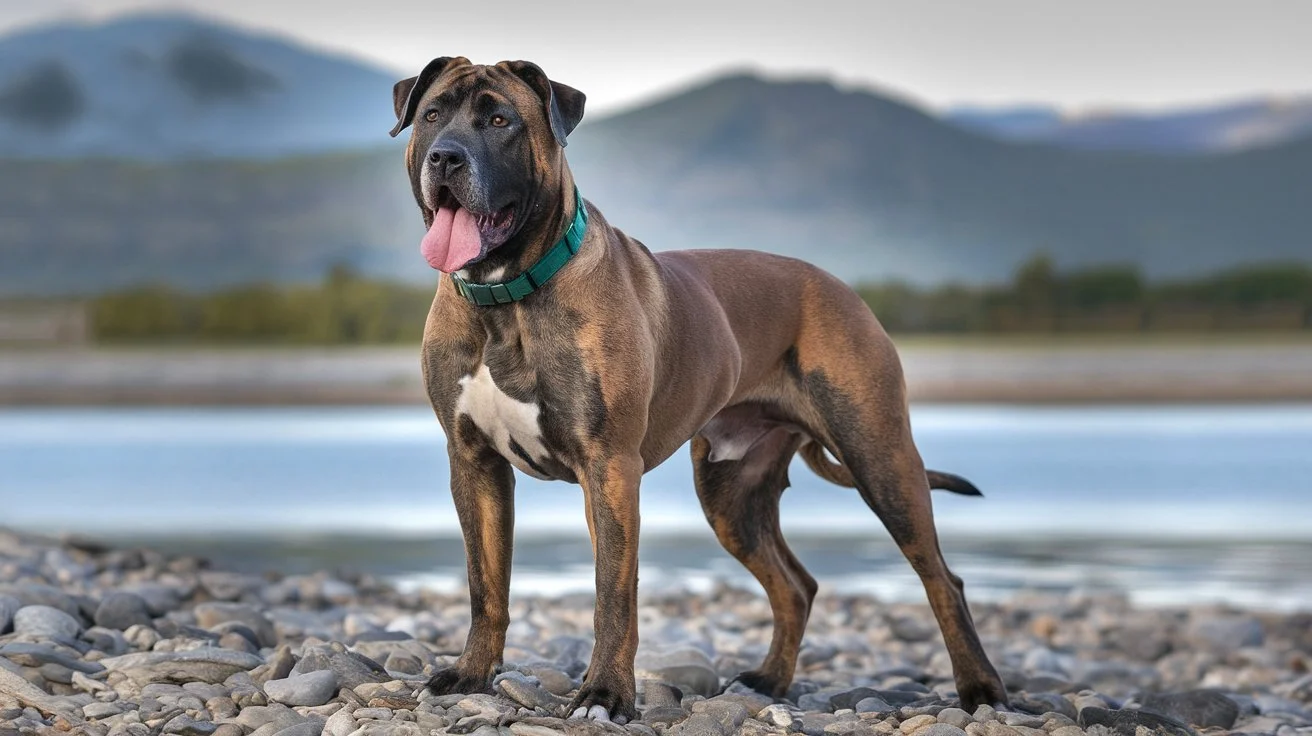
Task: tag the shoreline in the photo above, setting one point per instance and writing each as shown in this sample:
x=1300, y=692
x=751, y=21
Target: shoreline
x=103, y=640
x=938, y=370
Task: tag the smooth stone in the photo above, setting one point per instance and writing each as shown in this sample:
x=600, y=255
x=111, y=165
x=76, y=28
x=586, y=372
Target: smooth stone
x=35, y=655
x=310, y=689
x=1224, y=634
x=699, y=725
x=955, y=717
x=185, y=725
x=913, y=723
x=1040, y=703
x=873, y=704
x=207, y=664
x=100, y=710
x=1127, y=722
x=777, y=715
x=939, y=729
x=340, y=723
x=121, y=611
x=552, y=680
x=730, y=714
x=526, y=691
x=211, y=615
x=529, y=729
x=687, y=668
x=753, y=701
x=38, y=594
x=1202, y=708
x=849, y=698
x=351, y=670
x=46, y=622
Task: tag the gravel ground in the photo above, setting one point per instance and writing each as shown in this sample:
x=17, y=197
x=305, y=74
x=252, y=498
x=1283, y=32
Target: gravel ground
x=100, y=641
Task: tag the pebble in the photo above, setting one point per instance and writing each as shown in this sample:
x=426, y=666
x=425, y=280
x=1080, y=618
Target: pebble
x=45, y=622
x=122, y=611
x=179, y=649
x=311, y=688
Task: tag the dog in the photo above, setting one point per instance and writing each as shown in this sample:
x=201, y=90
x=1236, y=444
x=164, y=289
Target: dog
x=561, y=347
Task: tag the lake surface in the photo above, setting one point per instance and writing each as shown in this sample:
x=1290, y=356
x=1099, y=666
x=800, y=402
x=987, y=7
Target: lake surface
x=1171, y=504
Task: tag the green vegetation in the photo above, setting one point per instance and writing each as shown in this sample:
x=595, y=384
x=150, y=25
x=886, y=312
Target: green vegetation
x=347, y=309
x=1116, y=299
x=344, y=310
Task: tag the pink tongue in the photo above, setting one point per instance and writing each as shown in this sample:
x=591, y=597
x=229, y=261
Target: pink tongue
x=452, y=241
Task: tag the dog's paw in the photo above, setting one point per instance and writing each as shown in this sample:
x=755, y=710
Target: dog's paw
x=759, y=681
x=986, y=691
x=453, y=681
x=600, y=702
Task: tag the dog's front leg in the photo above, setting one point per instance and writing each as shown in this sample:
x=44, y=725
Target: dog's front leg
x=610, y=491
x=483, y=488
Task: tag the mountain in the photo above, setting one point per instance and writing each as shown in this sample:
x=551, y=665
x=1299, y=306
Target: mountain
x=865, y=186
x=164, y=86
x=1216, y=129
x=166, y=149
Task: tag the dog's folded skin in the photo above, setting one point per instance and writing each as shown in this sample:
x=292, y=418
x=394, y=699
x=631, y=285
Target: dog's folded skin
x=615, y=360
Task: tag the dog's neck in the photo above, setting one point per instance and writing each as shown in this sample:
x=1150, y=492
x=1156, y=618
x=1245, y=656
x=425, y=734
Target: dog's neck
x=548, y=218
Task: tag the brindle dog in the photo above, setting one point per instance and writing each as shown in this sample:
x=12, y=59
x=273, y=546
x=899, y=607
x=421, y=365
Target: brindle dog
x=622, y=357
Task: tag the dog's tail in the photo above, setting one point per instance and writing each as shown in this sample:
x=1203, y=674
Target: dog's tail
x=838, y=474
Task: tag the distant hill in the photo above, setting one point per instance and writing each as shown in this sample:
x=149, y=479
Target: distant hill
x=1215, y=129
x=162, y=148
x=164, y=86
x=862, y=185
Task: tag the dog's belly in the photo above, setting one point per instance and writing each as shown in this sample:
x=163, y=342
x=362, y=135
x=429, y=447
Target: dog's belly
x=510, y=424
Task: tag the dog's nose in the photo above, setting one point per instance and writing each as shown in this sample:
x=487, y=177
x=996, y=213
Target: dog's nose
x=447, y=157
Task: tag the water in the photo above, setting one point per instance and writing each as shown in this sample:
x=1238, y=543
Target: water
x=1167, y=504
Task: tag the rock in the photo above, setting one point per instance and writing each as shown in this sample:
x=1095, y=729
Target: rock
x=1039, y=703
x=552, y=680
x=687, y=668
x=46, y=622
x=207, y=664
x=1225, y=634
x=955, y=717
x=873, y=704
x=96, y=711
x=211, y=615
x=1127, y=722
x=526, y=691
x=529, y=729
x=753, y=701
x=122, y=611
x=939, y=729
x=340, y=723
x=1201, y=708
x=311, y=688
x=351, y=670
x=849, y=698
x=698, y=725
x=730, y=714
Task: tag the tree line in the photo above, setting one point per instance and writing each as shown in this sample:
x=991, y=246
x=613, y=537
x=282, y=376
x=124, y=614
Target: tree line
x=347, y=308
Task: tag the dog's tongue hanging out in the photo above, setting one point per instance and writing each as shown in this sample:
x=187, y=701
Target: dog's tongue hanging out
x=452, y=241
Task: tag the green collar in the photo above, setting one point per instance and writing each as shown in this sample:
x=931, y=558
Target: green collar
x=486, y=295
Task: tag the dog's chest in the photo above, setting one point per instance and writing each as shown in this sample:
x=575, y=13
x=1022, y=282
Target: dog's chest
x=513, y=426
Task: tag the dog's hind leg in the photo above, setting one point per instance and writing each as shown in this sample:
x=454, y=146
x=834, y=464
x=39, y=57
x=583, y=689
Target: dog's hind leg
x=872, y=439
x=740, y=496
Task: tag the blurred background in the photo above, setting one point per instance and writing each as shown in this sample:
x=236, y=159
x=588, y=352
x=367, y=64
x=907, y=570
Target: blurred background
x=1089, y=229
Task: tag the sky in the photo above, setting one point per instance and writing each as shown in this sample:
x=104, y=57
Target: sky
x=1079, y=56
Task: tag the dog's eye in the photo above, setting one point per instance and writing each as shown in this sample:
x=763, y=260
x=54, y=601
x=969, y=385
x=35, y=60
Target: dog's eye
x=431, y=116
x=499, y=121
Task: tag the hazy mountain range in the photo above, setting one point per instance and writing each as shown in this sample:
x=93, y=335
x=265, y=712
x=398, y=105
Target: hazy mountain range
x=1214, y=129
x=163, y=148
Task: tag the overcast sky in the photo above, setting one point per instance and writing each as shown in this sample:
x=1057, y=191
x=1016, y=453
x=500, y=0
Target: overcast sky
x=1078, y=55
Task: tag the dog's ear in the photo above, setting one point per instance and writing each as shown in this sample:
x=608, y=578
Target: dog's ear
x=407, y=92
x=563, y=104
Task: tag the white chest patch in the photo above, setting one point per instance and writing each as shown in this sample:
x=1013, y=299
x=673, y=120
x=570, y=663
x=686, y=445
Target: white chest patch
x=502, y=418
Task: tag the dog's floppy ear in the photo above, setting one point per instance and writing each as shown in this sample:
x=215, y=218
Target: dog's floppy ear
x=563, y=104
x=407, y=92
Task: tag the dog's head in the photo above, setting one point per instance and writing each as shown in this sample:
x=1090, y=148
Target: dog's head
x=486, y=153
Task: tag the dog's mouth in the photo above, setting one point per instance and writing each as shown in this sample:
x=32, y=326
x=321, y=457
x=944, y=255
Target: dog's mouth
x=459, y=236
